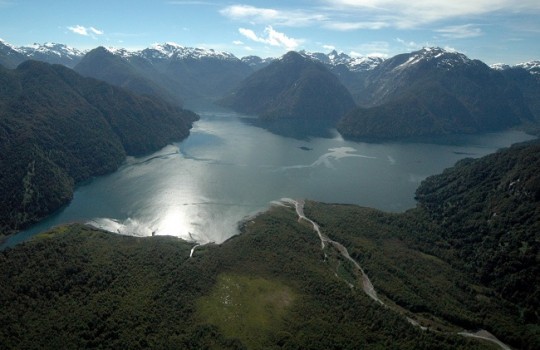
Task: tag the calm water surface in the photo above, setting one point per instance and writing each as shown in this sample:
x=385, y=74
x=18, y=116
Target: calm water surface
x=227, y=170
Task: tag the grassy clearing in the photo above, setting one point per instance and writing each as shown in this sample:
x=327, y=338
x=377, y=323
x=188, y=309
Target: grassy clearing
x=248, y=308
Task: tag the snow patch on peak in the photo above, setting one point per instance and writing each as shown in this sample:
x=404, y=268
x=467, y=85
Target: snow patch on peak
x=532, y=67
x=53, y=49
x=171, y=50
x=499, y=66
x=441, y=57
x=354, y=64
x=119, y=51
x=5, y=43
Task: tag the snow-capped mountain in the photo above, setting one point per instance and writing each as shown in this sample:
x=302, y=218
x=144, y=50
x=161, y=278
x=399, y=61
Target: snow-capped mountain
x=11, y=56
x=434, y=92
x=354, y=64
x=397, y=73
x=500, y=66
x=256, y=62
x=174, y=51
x=435, y=56
x=53, y=53
x=532, y=67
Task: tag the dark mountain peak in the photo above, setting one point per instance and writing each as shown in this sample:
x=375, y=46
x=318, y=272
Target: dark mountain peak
x=39, y=68
x=100, y=50
x=33, y=64
x=293, y=87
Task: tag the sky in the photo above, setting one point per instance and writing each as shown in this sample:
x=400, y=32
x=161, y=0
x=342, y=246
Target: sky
x=494, y=31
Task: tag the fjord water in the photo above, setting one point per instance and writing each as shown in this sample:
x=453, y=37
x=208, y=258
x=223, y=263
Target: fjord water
x=228, y=170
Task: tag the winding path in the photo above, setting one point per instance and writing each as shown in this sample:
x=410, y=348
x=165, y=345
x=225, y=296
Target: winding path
x=367, y=286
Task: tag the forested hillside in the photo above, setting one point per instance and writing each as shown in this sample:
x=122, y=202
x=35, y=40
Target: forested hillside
x=58, y=128
x=488, y=215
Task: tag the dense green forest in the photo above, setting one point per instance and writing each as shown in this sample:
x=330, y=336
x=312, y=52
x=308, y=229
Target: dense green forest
x=487, y=213
x=58, y=128
x=450, y=265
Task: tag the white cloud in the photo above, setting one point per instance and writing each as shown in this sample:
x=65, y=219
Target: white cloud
x=85, y=31
x=329, y=47
x=347, y=26
x=238, y=42
x=460, y=32
x=408, y=14
x=272, y=37
x=96, y=31
x=248, y=33
x=258, y=15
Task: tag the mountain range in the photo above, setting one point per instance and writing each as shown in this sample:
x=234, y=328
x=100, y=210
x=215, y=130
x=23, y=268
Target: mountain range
x=180, y=73
x=427, y=92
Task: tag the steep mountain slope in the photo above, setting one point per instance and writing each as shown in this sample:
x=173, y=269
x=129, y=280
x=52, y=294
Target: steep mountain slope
x=293, y=87
x=433, y=92
x=488, y=212
x=58, y=128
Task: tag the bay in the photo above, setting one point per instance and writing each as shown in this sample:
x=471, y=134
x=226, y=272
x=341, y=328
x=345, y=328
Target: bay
x=227, y=171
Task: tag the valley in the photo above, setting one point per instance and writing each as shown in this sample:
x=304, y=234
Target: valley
x=180, y=197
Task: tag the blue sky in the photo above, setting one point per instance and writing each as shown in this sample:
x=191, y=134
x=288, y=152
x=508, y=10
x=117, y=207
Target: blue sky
x=491, y=30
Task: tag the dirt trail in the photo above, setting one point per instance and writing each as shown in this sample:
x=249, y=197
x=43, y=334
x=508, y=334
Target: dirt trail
x=367, y=286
